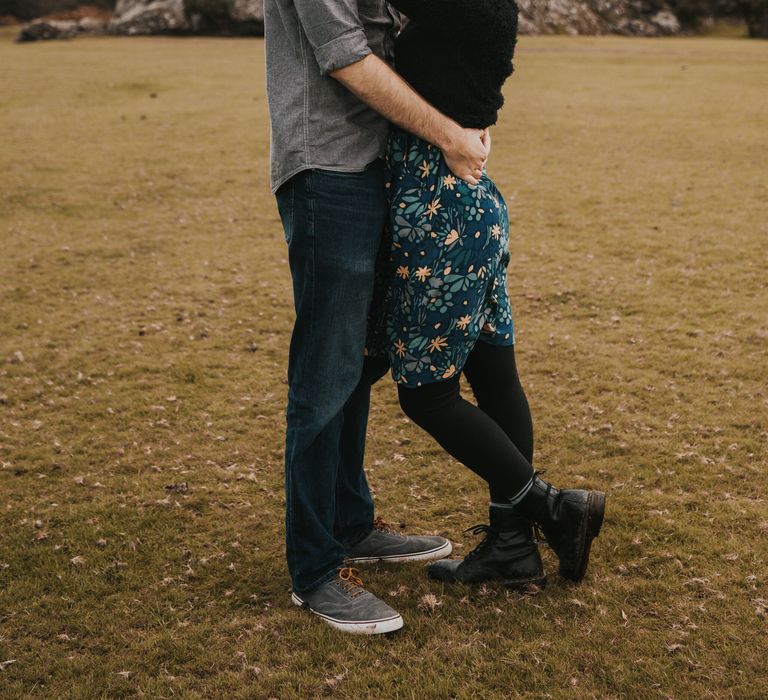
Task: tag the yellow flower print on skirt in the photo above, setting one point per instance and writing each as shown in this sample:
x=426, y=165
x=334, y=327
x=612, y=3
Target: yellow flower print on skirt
x=441, y=277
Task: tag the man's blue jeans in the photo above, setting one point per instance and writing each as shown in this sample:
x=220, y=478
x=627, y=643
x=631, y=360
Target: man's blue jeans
x=333, y=225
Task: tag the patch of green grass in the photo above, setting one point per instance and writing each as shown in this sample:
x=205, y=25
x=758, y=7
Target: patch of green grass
x=146, y=314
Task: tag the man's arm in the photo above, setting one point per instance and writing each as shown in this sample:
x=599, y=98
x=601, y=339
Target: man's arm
x=341, y=49
x=380, y=87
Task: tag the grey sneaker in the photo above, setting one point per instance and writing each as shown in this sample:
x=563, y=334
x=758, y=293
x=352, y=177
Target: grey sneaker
x=384, y=543
x=344, y=604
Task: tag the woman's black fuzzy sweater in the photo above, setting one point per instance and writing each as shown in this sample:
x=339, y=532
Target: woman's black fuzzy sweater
x=457, y=55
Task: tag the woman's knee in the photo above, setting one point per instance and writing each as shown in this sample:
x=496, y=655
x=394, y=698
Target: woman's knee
x=492, y=372
x=428, y=403
x=411, y=404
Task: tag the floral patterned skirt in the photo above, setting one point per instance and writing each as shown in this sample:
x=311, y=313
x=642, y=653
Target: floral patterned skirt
x=441, y=277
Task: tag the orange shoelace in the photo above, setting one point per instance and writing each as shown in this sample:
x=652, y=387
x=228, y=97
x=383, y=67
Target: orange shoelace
x=350, y=582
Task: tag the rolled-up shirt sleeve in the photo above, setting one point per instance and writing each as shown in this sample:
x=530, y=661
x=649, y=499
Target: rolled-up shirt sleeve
x=334, y=31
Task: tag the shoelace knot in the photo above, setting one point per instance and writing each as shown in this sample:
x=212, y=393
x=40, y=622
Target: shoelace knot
x=349, y=581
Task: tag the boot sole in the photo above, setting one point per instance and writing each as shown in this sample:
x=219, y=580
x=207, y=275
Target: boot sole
x=524, y=584
x=515, y=584
x=440, y=552
x=511, y=584
x=380, y=626
x=593, y=524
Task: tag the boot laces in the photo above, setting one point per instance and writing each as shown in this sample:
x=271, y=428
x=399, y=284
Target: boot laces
x=488, y=531
x=350, y=582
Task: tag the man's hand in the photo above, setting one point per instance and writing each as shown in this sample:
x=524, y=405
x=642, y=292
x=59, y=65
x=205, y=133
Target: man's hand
x=466, y=153
x=487, y=142
x=376, y=84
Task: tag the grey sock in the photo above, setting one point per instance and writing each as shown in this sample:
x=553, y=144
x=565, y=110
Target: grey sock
x=519, y=496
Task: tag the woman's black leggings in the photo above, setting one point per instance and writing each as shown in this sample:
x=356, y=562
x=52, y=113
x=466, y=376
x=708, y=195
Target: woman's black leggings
x=495, y=438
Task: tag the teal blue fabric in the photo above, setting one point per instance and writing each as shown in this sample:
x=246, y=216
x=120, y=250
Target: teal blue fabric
x=442, y=270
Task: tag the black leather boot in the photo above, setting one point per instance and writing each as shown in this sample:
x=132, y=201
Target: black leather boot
x=507, y=553
x=569, y=519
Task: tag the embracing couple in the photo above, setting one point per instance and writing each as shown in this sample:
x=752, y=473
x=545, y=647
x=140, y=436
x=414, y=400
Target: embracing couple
x=398, y=248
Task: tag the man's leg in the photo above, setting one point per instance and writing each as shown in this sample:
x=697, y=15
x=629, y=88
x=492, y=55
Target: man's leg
x=364, y=539
x=333, y=224
x=354, y=506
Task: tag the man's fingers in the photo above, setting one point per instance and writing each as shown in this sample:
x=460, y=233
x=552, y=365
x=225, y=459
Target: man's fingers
x=469, y=173
x=467, y=160
x=486, y=139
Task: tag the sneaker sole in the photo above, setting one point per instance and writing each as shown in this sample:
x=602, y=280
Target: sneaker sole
x=594, y=522
x=382, y=626
x=440, y=552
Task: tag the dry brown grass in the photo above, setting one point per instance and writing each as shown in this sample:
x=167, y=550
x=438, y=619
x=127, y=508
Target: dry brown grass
x=145, y=324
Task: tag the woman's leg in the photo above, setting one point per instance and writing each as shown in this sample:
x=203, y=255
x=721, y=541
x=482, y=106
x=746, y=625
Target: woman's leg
x=569, y=518
x=508, y=551
x=492, y=373
x=470, y=435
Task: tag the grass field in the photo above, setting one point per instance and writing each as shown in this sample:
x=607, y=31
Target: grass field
x=144, y=329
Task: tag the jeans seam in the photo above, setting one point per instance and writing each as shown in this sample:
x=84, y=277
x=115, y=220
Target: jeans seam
x=339, y=511
x=289, y=447
x=337, y=505
x=311, y=229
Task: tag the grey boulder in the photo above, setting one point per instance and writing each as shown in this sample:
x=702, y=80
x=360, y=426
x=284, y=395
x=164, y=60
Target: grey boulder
x=629, y=17
x=235, y=17
x=45, y=29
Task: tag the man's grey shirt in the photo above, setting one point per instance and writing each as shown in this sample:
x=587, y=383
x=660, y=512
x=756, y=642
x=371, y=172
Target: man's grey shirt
x=316, y=121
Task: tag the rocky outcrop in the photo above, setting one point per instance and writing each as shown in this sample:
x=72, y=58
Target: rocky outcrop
x=149, y=17
x=66, y=24
x=133, y=17
x=43, y=29
x=630, y=17
x=246, y=18
x=228, y=17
